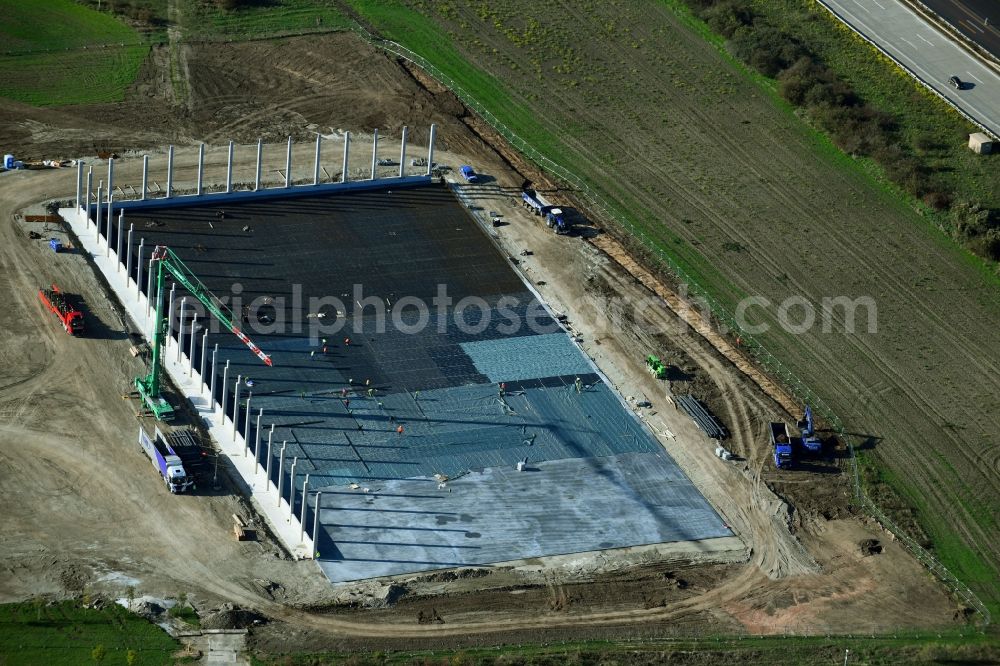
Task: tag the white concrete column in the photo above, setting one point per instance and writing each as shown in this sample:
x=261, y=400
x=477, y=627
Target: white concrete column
x=256, y=458
x=194, y=339
x=204, y=359
x=302, y=516
x=291, y=490
x=315, y=534
x=90, y=187
x=347, y=150
x=128, y=256
x=375, y=154
x=100, y=211
x=229, y=169
x=281, y=471
x=201, y=168
x=430, y=150
x=79, y=182
x=170, y=316
x=402, y=154
x=180, y=327
x=236, y=404
x=118, y=244
x=319, y=143
x=111, y=220
x=138, y=274
x=150, y=296
x=170, y=171
x=260, y=155
x=256, y=445
x=211, y=379
x=145, y=177
x=225, y=389
x=288, y=164
x=246, y=427
x=267, y=470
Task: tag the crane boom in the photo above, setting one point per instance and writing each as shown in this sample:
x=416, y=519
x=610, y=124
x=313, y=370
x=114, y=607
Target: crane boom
x=168, y=262
x=189, y=281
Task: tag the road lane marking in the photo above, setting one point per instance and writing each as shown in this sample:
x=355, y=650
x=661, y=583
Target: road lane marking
x=973, y=26
x=974, y=78
x=879, y=4
x=908, y=42
x=926, y=40
x=862, y=5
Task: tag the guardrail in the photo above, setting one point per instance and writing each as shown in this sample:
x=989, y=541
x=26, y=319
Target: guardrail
x=757, y=351
x=909, y=71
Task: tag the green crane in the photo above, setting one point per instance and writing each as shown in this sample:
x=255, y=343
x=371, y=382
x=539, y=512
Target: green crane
x=165, y=261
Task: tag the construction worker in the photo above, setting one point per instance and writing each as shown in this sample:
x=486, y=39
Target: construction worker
x=371, y=393
x=399, y=430
x=347, y=342
x=503, y=389
x=579, y=385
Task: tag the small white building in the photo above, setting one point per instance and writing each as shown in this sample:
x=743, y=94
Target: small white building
x=981, y=143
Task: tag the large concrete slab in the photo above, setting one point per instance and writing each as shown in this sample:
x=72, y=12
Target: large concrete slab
x=386, y=404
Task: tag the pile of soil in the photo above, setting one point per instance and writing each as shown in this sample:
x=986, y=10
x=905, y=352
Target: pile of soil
x=230, y=616
x=870, y=547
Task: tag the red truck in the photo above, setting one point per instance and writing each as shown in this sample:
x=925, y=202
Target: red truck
x=55, y=301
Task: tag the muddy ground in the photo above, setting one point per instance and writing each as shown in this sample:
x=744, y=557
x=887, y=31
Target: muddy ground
x=85, y=513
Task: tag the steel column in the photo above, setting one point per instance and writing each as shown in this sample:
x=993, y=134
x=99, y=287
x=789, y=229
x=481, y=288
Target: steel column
x=375, y=154
x=256, y=446
x=204, y=358
x=111, y=175
x=225, y=389
x=90, y=187
x=145, y=177
x=100, y=211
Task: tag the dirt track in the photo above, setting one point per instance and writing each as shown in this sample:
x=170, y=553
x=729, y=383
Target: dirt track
x=82, y=503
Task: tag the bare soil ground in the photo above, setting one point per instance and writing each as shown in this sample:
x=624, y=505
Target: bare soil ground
x=84, y=511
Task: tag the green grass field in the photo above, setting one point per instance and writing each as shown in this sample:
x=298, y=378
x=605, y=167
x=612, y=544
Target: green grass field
x=65, y=633
x=928, y=649
x=205, y=21
x=59, y=52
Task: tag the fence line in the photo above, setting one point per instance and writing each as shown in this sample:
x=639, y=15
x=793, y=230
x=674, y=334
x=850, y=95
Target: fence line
x=758, y=352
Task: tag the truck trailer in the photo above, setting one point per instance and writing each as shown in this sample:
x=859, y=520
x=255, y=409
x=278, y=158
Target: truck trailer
x=57, y=303
x=782, y=444
x=167, y=460
x=554, y=217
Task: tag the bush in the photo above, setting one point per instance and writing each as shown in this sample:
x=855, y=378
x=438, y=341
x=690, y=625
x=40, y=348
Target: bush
x=766, y=48
x=728, y=16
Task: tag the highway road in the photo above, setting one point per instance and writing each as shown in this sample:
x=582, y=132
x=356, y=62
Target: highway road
x=979, y=20
x=926, y=53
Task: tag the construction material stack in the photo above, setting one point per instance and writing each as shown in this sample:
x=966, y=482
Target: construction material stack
x=57, y=303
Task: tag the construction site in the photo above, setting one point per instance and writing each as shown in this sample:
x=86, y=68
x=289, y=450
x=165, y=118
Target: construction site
x=395, y=389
